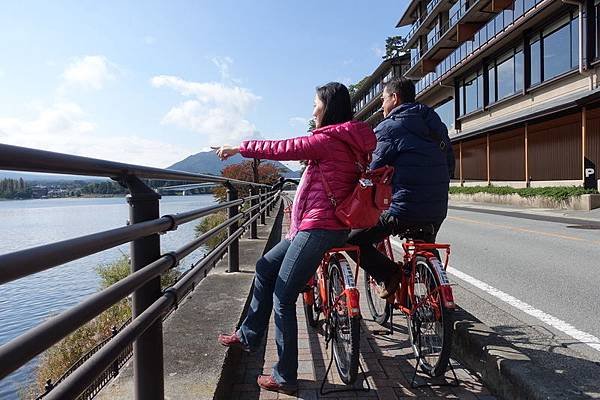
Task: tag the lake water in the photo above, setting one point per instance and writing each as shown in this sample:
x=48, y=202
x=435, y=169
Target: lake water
x=27, y=223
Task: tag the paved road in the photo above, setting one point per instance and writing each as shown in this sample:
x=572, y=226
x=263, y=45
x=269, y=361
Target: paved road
x=536, y=282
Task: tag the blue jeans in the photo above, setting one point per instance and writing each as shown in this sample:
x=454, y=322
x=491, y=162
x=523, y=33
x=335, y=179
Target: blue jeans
x=281, y=274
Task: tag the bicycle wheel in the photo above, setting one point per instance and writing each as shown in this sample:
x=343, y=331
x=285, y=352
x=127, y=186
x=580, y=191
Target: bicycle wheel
x=380, y=308
x=431, y=325
x=312, y=311
x=345, y=330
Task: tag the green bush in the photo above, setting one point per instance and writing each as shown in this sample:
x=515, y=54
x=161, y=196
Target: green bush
x=56, y=360
x=556, y=193
x=209, y=222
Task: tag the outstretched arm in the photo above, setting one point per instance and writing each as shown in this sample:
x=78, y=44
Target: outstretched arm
x=312, y=147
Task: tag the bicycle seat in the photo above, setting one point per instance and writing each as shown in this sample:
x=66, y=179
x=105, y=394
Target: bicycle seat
x=416, y=232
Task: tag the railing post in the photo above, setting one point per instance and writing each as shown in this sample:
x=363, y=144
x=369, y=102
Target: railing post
x=254, y=224
x=115, y=365
x=148, y=348
x=268, y=198
x=48, y=386
x=263, y=202
x=233, y=251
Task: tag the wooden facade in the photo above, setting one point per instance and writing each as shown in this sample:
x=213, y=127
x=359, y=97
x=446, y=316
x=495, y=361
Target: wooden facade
x=548, y=150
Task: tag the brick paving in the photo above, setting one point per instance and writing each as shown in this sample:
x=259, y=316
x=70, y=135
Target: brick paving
x=387, y=360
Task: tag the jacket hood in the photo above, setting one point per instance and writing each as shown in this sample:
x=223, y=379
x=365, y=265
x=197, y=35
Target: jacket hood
x=421, y=118
x=356, y=134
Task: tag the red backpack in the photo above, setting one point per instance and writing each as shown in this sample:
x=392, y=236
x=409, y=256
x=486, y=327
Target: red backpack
x=371, y=196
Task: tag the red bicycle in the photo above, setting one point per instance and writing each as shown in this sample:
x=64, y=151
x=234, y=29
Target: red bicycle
x=424, y=297
x=332, y=292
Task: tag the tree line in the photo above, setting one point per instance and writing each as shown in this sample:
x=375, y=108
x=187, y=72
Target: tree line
x=14, y=189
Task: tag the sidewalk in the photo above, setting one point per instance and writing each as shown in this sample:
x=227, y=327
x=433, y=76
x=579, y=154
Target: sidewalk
x=590, y=216
x=387, y=361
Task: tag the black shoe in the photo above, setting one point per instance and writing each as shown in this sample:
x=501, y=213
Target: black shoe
x=391, y=285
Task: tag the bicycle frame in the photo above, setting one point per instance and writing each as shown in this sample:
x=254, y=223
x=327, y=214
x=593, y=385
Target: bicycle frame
x=412, y=249
x=351, y=293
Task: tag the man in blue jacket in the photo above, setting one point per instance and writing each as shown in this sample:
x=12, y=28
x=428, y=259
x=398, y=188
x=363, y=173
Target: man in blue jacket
x=412, y=139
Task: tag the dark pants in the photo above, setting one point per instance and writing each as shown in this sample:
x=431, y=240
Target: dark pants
x=377, y=264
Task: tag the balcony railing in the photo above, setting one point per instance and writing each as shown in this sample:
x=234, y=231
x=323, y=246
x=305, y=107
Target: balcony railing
x=417, y=24
x=480, y=39
x=449, y=24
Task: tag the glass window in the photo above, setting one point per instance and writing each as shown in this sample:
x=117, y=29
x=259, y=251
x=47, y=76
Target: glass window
x=518, y=9
x=470, y=91
x=536, y=67
x=490, y=27
x=528, y=4
x=575, y=42
x=499, y=22
x=519, y=70
x=508, y=16
x=506, y=77
x=454, y=13
x=555, y=45
x=446, y=113
x=479, y=90
x=484, y=36
x=491, y=84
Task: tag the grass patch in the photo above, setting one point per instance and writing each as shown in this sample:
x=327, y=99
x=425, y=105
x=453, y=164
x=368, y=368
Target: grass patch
x=559, y=193
x=209, y=222
x=59, y=358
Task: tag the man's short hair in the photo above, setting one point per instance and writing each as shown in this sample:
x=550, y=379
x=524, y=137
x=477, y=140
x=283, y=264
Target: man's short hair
x=403, y=87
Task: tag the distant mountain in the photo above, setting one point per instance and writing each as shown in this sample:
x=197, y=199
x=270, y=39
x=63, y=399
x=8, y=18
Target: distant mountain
x=208, y=163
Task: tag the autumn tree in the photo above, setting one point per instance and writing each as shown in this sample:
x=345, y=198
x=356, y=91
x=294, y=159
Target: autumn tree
x=267, y=174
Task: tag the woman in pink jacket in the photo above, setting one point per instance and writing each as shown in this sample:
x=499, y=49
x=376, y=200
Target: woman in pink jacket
x=283, y=272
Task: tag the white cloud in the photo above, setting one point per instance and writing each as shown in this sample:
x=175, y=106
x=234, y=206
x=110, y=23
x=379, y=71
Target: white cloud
x=89, y=72
x=217, y=111
x=300, y=124
x=1, y=73
x=65, y=127
x=223, y=64
x=149, y=40
x=378, y=51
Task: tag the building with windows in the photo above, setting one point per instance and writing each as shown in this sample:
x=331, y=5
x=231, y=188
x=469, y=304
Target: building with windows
x=366, y=101
x=517, y=84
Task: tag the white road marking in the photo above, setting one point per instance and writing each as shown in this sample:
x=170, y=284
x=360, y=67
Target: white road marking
x=554, y=322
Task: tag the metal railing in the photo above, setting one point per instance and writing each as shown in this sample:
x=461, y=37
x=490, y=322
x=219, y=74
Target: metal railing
x=149, y=302
x=441, y=31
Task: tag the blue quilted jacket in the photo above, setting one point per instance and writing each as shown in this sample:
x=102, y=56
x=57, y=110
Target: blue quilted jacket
x=409, y=140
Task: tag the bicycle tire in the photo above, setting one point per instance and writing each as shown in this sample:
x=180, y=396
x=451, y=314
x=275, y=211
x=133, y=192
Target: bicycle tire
x=380, y=308
x=345, y=330
x=426, y=277
x=313, y=311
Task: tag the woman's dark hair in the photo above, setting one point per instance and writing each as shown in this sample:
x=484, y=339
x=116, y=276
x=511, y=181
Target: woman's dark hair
x=336, y=99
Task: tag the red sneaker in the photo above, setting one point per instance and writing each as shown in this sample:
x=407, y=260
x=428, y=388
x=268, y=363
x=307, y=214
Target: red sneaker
x=267, y=382
x=232, y=340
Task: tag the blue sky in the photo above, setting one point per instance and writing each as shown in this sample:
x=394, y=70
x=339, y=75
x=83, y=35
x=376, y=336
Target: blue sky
x=151, y=82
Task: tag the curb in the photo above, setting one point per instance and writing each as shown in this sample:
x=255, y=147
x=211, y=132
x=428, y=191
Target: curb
x=504, y=369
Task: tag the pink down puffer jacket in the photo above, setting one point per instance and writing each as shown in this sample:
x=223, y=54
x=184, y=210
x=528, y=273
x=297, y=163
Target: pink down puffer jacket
x=327, y=149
